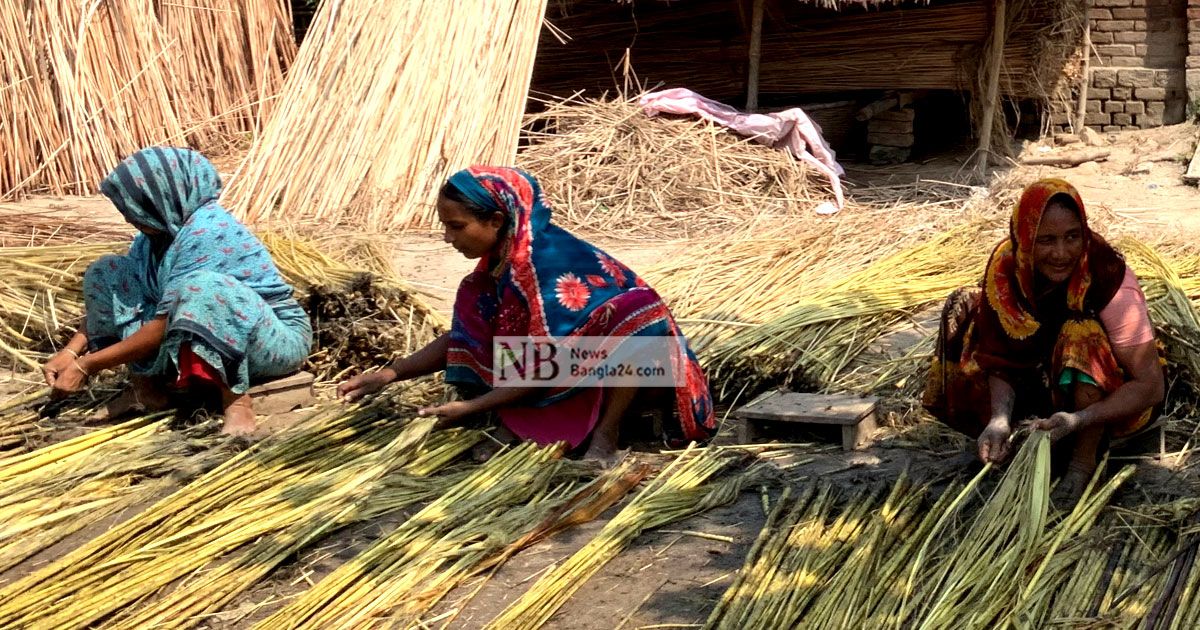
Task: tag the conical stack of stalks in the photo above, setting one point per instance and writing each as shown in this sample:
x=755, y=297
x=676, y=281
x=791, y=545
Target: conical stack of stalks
x=86, y=84
x=385, y=100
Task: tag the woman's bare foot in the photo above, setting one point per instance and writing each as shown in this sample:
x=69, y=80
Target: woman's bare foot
x=604, y=452
x=491, y=444
x=141, y=395
x=239, y=414
x=1070, y=488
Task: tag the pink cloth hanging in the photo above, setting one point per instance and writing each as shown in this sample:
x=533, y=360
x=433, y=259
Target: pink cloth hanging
x=790, y=130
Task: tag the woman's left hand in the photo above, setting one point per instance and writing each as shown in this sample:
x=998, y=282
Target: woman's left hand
x=1060, y=425
x=72, y=379
x=451, y=412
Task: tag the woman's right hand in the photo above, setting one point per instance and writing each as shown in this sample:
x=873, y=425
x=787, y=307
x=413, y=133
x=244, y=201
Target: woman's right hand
x=993, y=442
x=365, y=384
x=60, y=362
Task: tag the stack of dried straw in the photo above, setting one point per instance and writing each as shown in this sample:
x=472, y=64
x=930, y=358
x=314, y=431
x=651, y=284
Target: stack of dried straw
x=83, y=85
x=384, y=101
x=607, y=167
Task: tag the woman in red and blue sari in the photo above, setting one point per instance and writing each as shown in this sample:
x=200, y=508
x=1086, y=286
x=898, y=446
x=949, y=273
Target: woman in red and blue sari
x=536, y=280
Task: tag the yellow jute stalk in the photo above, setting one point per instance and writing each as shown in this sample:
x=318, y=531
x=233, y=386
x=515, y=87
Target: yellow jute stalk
x=682, y=489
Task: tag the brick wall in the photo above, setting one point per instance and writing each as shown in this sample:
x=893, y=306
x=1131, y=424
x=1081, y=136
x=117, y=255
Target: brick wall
x=1193, y=55
x=1139, y=63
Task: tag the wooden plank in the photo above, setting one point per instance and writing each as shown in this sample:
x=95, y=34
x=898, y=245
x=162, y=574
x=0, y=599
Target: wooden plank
x=1192, y=176
x=835, y=409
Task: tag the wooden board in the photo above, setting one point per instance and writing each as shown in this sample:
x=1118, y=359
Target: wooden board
x=1192, y=176
x=283, y=394
x=855, y=414
x=839, y=409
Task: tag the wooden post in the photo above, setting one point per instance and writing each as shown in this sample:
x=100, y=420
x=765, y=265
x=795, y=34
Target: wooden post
x=756, y=20
x=991, y=96
x=1081, y=109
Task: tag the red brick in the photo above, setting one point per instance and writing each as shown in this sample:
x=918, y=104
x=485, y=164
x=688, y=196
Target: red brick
x=1129, y=37
x=1114, y=25
x=1129, y=14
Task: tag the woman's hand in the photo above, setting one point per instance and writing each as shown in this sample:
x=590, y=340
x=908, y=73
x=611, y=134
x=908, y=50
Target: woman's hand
x=57, y=364
x=1060, y=425
x=993, y=442
x=365, y=384
x=451, y=412
x=70, y=379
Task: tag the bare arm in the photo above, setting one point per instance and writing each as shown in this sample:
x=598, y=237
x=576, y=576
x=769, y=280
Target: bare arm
x=1003, y=400
x=993, y=441
x=140, y=345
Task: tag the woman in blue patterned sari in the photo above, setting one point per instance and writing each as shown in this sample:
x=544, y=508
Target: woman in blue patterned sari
x=196, y=302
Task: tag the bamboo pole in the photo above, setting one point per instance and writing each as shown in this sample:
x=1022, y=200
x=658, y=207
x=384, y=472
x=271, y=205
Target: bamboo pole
x=991, y=95
x=755, y=56
x=1086, y=79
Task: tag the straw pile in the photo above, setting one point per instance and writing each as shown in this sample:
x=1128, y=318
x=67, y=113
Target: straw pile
x=724, y=284
x=607, y=167
x=384, y=101
x=903, y=563
x=85, y=84
x=241, y=520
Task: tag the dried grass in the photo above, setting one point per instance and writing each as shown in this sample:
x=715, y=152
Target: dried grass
x=607, y=167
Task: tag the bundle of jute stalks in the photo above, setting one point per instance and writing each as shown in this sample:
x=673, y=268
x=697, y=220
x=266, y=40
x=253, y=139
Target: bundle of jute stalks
x=246, y=516
x=695, y=482
x=981, y=555
x=86, y=84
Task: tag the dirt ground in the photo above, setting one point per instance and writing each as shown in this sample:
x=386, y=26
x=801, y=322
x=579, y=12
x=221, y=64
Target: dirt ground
x=672, y=578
